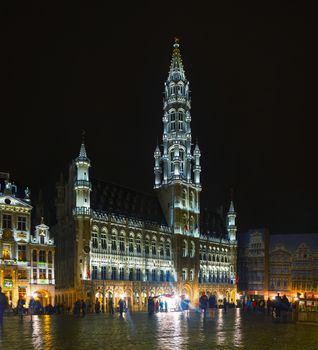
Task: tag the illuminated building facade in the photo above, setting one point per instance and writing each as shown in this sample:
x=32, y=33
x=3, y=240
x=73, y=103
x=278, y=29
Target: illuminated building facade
x=114, y=241
x=27, y=259
x=268, y=264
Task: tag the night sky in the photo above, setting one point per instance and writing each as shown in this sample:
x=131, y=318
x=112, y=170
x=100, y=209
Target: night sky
x=102, y=69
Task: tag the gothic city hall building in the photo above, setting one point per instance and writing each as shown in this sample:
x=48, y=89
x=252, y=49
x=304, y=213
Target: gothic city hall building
x=115, y=242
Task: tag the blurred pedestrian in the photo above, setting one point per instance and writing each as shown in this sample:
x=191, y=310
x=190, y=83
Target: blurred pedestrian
x=225, y=304
x=121, y=305
x=83, y=306
x=20, y=307
x=97, y=306
x=111, y=306
x=3, y=304
x=203, y=302
x=32, y=308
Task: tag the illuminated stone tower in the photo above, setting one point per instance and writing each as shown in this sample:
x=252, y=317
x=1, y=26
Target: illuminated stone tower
x=231, y=227
x=82, y=213
x=177, y=166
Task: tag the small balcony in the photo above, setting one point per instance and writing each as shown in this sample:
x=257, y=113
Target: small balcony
x=82, y=184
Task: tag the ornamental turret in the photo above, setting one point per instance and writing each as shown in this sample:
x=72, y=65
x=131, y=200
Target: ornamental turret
x=82, y=184
x=231, y=226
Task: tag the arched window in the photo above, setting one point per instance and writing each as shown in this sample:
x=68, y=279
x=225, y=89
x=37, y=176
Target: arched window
x=172, y=121
x=192, y=199
x=181, y=155
x=94, y=240
x=154, y=247
x=210, y=257
x=168, y=248
x=184, y=198
x=192, y=251
x=184, y=248
x=180, y=121
x=131, y=243
x=104, y=241
x=147, y=246
x=114, y=240
x=161, y=248
x=171, y=161
x=192, y=226
x=122, y=242
x=138, y=244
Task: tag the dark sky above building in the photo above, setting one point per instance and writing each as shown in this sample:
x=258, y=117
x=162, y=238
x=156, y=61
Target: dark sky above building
x=102, y=69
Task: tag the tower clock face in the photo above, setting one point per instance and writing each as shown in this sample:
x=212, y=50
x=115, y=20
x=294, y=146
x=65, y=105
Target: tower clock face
x=86, y=249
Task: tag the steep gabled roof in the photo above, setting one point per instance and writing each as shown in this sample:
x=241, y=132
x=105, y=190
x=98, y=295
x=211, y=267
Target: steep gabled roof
x=116, y=199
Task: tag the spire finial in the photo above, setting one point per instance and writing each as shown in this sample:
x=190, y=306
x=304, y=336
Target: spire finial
x=176, y=42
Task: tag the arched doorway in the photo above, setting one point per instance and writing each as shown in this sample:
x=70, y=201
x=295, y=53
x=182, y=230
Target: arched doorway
x=43, y=297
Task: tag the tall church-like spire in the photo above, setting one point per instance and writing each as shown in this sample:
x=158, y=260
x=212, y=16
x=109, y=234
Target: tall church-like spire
x=178, y=161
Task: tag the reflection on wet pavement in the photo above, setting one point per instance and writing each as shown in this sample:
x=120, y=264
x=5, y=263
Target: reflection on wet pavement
x=174, y=330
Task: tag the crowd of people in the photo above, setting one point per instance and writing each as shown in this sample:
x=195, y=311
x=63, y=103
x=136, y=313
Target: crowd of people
x=277, y=307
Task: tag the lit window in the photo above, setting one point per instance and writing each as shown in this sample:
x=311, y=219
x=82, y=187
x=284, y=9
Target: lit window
x=191, y=275
x=42, y=274
x=6, y=252
x=21, y=252
x=184, y=249
x=22, y=274
x=184, y=275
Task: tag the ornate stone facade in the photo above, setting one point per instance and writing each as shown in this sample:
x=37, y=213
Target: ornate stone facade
x=26, y=260
x=115, y=242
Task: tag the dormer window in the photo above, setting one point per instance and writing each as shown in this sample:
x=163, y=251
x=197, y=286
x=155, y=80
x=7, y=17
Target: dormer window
x=41, y=239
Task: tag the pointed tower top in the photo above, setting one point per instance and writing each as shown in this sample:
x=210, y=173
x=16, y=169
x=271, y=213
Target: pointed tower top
x=197, y=149
x=82, y=154
x=231, y=209
x=176, y=67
